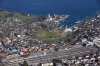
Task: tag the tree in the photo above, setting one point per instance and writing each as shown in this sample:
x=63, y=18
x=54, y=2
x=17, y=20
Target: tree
x=56, y=61
x=25, y=63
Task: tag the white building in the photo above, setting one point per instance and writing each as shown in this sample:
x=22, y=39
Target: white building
x=86, y=42
x=49, y=18
x=96, y=41
x=68, y=30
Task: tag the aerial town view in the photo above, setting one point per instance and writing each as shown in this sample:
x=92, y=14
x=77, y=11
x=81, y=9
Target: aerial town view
x=49, y=32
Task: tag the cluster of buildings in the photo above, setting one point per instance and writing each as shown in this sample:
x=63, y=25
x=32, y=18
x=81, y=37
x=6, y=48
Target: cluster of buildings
x=90, y=59
x=17, y=40
x=75, y=56
x=87, y=32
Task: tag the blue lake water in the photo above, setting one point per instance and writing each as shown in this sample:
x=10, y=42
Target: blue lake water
x=77, y=9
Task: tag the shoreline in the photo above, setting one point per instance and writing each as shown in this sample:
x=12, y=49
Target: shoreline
x=64, y=23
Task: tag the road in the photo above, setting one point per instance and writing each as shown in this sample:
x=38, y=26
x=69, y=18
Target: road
x=56, y=55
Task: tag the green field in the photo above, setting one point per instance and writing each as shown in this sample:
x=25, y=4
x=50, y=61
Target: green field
x=48, y=37
x=22, y=17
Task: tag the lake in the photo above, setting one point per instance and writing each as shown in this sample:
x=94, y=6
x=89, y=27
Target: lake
x=77, y=9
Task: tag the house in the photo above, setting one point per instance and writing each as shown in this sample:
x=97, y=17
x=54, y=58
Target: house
x=6, y=41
